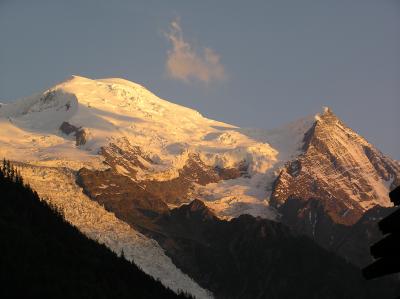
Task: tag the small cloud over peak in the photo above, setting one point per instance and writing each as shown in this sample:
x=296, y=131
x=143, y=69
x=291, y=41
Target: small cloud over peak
x=185, y=63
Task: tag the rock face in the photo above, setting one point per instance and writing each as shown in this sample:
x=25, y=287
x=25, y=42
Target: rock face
x=178, y=190
x=79, y=133
x=140, y=201
x=340, y=169
x=125, y=161
x=119, y=194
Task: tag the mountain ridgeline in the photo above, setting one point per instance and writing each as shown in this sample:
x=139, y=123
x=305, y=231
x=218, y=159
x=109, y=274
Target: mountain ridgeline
x=246, y=213
x=44, y=256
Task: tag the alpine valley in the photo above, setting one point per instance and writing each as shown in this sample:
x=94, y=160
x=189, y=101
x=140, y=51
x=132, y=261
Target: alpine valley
x=206, y=207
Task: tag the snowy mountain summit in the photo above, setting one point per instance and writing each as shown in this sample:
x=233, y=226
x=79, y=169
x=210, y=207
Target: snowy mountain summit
x=117, y=124
x=109, y=110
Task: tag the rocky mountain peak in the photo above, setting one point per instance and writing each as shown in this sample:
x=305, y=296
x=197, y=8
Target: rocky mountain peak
x=197, y=205
x=340, y=168
x=325, y=115
x=195, y=210
x=326, y=126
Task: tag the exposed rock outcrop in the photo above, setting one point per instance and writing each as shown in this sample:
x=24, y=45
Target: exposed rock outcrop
x=79, y=133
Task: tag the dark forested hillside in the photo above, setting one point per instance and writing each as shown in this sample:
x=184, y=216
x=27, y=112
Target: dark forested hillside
x=250, y=257
x=41, y=255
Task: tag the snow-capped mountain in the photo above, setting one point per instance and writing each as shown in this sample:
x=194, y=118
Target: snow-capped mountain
x=87, y=122
x=339, y=167
x=84, y=122
x=125, y=154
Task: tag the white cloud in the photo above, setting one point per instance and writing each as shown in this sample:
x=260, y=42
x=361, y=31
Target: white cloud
x=184, y=62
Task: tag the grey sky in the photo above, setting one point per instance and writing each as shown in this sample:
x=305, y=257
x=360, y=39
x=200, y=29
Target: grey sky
x=281, y=59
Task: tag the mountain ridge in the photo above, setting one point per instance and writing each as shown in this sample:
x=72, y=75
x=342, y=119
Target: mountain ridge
x=114, y=123
x=134, y=158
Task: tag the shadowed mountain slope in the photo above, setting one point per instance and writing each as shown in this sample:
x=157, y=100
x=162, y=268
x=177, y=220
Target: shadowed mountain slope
x=42, y=255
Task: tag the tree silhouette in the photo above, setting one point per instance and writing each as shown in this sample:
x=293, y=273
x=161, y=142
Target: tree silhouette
x=387, y=250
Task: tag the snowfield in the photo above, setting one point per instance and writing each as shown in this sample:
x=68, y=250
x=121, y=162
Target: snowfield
x=116, y=110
